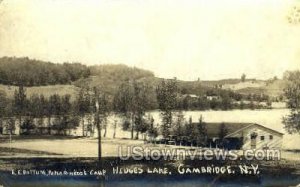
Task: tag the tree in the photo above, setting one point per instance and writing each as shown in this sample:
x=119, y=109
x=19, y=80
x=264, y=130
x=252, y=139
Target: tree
x=27, y=126
x=70, y=122
x=152, y=131
x=203, y=103
x=243, y=77
x=122, y=104
x=20, y=102
x=166, y=93
x=83, y=106
x=11, y=125
x=131, y=101
x=186, y=103
x=194, y=132
x=4, y=104
x=35, y=106
x=36, y=110
x=223, y=131
x=202, y=140
x=190, y=131
x=115, y=128
x=252, y=105
x=64, y=112
x=292, y=94
x=90, y=127
x=242, y=105
x=58, y=125
x=226, y=102
x=54, y=106
x=140, y=104
x=178, y=124
x=51, y=107
x=66, y=106
x=44, y=104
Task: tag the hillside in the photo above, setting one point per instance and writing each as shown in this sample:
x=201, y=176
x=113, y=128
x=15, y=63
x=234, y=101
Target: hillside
x=45, y=90
x=31, y=72
x=109, y=77
x=49, y=78
x=213, y=83
x=271, y=88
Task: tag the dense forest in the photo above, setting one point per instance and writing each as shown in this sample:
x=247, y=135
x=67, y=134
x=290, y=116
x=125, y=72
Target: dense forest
x=28, y=72
x=119, y=72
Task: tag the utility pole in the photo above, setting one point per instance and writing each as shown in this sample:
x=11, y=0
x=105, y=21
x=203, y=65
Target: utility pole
x=97, y=120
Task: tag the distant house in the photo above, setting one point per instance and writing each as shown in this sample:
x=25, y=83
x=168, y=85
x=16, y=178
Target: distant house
x=244, y=136
x=190, y=95
x=212, y=97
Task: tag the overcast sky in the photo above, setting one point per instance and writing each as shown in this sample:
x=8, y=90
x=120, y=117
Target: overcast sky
x=186, y=39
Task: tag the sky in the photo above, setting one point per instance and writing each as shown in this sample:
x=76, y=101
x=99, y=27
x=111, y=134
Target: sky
x=210, y=40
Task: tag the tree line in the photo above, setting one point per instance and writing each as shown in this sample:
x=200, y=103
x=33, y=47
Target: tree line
x=28, y=72
x=91, y=104
x=131, y=101
x=24, y=110
x=292, y=93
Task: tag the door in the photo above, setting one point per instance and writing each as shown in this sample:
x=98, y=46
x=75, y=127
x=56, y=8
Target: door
x=253, y=137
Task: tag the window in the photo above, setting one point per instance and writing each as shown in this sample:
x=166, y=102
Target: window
x=262, y=138
x=253, y=136
x=271, y=137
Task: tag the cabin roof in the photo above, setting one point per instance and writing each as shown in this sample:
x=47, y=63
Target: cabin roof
x=213, y=129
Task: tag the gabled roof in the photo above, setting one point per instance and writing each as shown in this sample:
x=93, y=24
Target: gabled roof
x=213, y=129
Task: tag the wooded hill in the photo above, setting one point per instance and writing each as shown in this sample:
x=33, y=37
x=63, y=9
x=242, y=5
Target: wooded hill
x=49, y=78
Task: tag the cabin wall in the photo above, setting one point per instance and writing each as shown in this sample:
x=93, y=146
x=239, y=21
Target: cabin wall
x=274, y=143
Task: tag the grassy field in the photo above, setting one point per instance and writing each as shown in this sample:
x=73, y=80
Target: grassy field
x=49, y=146
x=45, y=90
x=67, y=153
x=65, y=147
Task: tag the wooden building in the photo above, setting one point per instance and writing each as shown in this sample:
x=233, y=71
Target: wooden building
x=244, y=136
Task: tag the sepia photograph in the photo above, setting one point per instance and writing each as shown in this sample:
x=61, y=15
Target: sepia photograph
x=149, y=93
